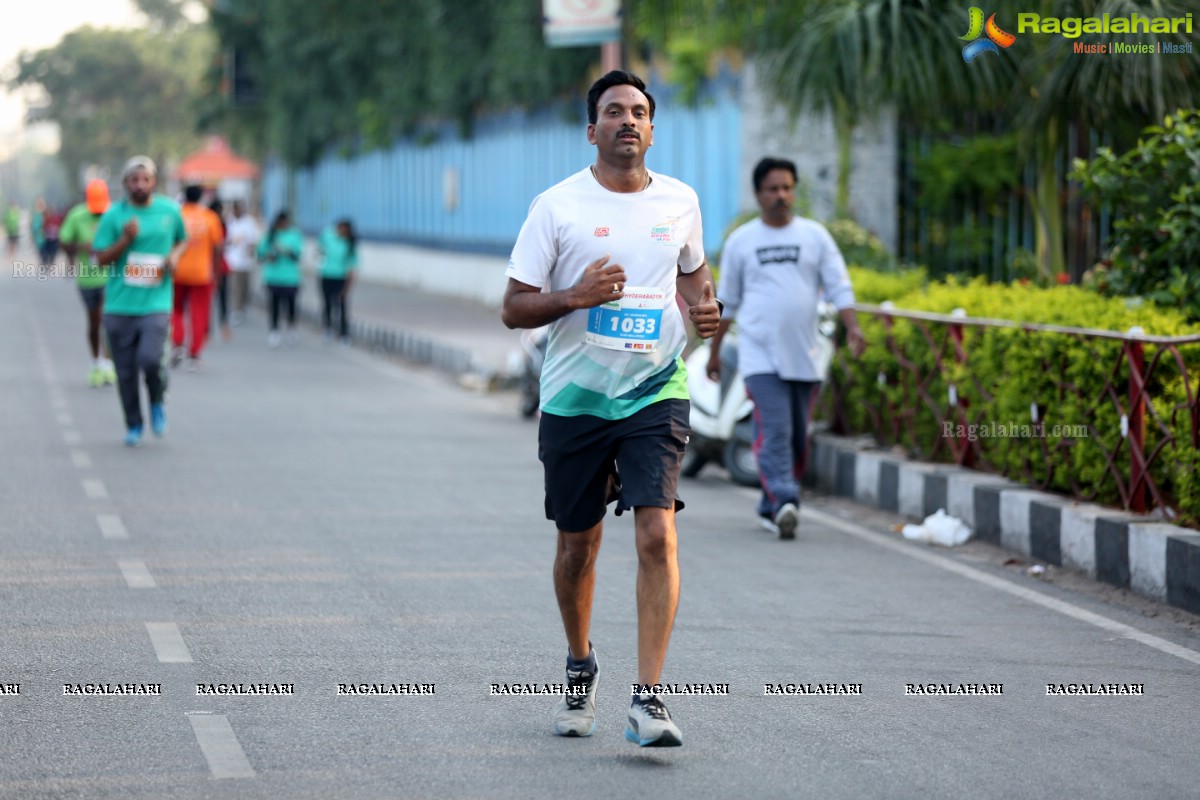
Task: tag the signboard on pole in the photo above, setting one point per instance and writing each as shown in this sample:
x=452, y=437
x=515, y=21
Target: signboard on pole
x=578, y=23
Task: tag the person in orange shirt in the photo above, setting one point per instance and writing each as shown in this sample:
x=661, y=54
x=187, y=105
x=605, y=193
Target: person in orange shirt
x=195, y=277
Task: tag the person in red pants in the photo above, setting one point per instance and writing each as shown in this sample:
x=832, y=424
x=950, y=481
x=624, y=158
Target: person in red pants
x=195, y=278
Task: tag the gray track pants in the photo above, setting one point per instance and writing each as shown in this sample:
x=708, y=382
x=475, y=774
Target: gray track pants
x=780, y=436
x=139, y=344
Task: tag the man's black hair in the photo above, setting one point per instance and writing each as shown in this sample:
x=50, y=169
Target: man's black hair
x=767, y=164
x=617, y=77
x=193, y=194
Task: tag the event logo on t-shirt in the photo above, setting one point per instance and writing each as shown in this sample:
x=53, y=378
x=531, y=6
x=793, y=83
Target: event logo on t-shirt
x=782, y=254
x=664, y=232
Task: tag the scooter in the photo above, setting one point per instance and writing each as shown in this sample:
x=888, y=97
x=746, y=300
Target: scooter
x=533, y=355
x=722, y=431
x=720, y=419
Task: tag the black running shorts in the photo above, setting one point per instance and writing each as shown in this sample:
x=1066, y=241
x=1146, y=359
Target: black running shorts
x=92, y=298
x=591, y=461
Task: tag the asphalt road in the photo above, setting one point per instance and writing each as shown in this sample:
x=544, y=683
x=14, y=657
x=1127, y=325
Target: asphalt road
x=316, y=516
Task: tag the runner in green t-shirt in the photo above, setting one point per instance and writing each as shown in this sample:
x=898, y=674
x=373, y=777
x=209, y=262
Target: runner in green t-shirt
x=78, y=230
x=12, y=227
x=140, y=239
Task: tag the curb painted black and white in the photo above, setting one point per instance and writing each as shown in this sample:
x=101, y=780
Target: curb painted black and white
x=1152, y=558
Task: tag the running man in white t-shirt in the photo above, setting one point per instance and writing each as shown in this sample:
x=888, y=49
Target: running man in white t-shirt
x=600, y=259
x=773, y=270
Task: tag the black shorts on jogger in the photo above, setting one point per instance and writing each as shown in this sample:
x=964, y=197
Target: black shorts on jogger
x=591, y=461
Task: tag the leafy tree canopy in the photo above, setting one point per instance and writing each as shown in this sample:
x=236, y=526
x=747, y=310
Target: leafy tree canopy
x=116, y=92
x=364, y=71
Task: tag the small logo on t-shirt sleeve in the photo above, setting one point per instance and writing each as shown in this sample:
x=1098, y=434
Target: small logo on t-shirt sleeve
x=601, y=230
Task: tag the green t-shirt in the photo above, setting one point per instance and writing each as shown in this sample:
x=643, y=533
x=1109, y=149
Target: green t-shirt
x=338, y=259
x=160, y=228
x=281, y=257
x=79, y=228
x=12, y=221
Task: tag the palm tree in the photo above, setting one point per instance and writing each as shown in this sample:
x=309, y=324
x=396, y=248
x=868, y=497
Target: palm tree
x=1118, y=94
x=856, y=58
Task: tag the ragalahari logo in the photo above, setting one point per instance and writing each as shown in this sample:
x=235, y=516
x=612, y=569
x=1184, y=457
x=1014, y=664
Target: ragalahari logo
x=995, y=37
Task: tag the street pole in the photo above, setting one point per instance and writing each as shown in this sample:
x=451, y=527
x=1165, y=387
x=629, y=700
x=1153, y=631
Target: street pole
x=610, y=56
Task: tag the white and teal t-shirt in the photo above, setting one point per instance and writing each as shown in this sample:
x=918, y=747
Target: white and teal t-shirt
x=651, y=234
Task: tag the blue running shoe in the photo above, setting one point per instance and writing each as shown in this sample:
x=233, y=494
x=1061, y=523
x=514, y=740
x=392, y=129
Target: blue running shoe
x=133, y=436
x=158, y=419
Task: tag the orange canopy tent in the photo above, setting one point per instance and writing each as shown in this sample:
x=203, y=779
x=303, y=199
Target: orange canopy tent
x=214, y=163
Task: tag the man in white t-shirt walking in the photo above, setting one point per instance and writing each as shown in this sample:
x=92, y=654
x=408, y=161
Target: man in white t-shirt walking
x=600, y=259
x=773, y=269
x=241, y=238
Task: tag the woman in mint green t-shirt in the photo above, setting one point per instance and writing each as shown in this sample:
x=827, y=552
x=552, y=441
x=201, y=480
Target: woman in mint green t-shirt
x=279, y=253
x=339, y=257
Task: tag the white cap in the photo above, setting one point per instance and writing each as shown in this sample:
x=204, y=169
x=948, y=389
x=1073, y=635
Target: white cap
x=138, y=162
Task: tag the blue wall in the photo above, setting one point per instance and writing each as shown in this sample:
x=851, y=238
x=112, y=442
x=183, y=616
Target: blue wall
x=398, y=194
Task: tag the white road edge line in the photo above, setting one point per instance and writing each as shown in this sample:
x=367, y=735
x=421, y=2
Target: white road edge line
x=220, y=746
x=136, y=575
x=168, y=643
x=1003, y=585
x=111, y=526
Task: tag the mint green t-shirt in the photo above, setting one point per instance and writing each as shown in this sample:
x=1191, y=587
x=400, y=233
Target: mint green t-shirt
x=79, y=228
x=128, y=291
x=281, y=257
x=338, y=259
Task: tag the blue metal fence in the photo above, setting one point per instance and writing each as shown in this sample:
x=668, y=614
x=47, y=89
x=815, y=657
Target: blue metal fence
x=407, y=193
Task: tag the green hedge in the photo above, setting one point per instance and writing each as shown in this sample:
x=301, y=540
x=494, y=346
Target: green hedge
x=1008, y=370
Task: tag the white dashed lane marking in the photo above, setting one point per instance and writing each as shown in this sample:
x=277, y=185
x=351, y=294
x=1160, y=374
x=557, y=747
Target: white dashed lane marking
x=81, y=459
x=111, y=526
x=168, y=643
x=137, y=576
x=94, y=489
x=220, y=746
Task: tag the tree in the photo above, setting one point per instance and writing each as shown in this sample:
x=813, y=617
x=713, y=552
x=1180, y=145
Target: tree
x=1089, y=93
x=116, y=92
x=388, y=67
x=1154, y=191
x=852, y=59
x=858, y=58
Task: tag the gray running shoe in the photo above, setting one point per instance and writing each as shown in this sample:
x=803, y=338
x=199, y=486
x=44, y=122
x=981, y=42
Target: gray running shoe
x=787, y=518
x=576, y=715
x=650, y=723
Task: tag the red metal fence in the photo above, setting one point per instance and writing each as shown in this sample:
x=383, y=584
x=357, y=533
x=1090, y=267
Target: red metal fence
x=1134, y=397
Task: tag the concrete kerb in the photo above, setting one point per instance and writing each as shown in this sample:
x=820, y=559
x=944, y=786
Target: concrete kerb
x=1148, y=556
